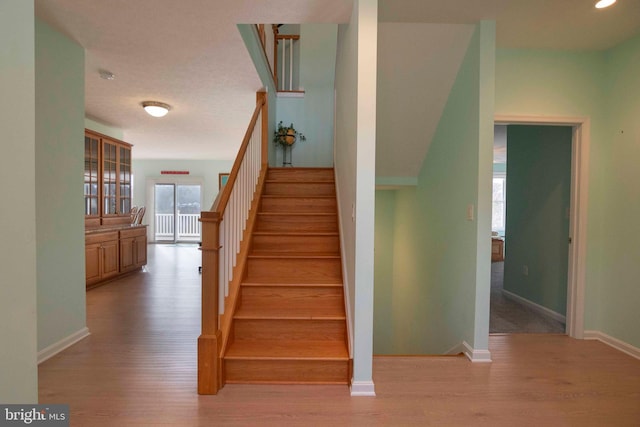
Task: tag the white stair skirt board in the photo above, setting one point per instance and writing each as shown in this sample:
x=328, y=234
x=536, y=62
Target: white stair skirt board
x=63, y=344
x=537, y=307
x=613, y=342
x=363, y=389
x=476, y=356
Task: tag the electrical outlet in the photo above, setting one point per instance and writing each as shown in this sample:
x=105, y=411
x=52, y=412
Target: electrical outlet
x=525, y=270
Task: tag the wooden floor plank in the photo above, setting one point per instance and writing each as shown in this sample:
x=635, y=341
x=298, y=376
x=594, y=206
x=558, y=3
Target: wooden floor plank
x=138, y=368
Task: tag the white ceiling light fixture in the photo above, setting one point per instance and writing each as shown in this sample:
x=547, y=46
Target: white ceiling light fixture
x=156, y=109
x=604, y=3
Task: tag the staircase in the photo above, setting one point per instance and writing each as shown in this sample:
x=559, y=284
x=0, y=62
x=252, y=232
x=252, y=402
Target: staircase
x=290, y=325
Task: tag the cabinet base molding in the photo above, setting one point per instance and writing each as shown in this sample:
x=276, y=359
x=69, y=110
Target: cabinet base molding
x=63, y=344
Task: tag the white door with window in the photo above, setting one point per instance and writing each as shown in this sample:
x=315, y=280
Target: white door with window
x=177, y=212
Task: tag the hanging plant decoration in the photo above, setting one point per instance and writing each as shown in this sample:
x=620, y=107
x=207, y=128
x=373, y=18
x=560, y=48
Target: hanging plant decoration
x=287, y=135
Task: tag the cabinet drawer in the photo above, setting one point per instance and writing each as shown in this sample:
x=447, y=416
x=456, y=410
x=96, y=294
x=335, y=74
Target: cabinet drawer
x=134, y=232
x=100, y=237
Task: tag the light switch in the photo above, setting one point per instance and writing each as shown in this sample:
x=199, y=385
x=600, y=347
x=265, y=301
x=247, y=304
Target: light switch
x=470, y=212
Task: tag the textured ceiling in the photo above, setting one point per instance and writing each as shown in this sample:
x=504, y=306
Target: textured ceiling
x=189, y=54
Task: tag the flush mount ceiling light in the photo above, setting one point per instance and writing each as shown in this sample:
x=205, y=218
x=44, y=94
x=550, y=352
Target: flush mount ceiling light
x=604, y=3
x=156, y=109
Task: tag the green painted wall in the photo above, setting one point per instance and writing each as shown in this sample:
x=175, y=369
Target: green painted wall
x=59, y=180
x=619, y=290
x=429, y=305
x=252, y=42
x=538, y=199
x=18, y=333
x=383, y=338
x=602, y=86
x=552, y=83
x=313, y=114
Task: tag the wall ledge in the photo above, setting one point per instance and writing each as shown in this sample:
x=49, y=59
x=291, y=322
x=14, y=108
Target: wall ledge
x=613, y=342
x=63, y=344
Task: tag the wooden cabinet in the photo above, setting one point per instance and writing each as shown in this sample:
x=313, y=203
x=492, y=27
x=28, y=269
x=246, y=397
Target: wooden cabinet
x=109, y=254
x=107, y=180
x=497, y=250
x=101, y=256
x=133, y=249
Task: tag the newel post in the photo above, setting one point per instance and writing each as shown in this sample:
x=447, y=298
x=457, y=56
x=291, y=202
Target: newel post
x=209, y=342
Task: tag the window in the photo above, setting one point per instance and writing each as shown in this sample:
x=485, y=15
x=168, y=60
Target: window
x=498, y=212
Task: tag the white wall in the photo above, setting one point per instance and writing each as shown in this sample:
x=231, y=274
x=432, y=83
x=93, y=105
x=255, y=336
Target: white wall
x=355, y=173
x=18, y=333
x=147, y=171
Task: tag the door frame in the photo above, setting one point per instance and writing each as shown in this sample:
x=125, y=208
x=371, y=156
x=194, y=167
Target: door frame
x=580, y=144
x=151, y=197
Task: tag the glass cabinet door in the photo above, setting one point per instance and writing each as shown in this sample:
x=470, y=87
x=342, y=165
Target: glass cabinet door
x=125, y=180
x=109, y=185
x=91, y=197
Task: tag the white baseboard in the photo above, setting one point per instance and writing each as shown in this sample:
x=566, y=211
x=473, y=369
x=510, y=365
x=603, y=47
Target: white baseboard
x=476, y=356
x=363, y=389
x=613, y=342
x=537, y=307
x=55, y=348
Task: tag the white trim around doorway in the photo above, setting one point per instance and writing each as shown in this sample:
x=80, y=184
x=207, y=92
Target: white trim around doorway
x=578, y=210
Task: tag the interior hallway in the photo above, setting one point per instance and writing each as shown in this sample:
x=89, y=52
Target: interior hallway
x=138, y=368
x=509, y=316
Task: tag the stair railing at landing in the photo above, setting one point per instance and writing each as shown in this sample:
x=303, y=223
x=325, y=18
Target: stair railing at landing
x=224, y=245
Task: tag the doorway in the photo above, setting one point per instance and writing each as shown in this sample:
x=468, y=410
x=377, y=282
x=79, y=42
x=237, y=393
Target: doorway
x=177, y=212
x=529, y=280
x=579, y=131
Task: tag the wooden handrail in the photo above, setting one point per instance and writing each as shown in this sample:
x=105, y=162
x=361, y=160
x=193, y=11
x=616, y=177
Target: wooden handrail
x=210, y=341
x=220, y=203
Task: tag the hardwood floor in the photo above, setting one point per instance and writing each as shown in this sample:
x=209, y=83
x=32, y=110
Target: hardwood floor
x=138, y=368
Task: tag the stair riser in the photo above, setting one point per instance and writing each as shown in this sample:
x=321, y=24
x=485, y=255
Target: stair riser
x=281, y=296
x=289, y=330
x=297, y=224
x=298, y=204
x=302, y=243
x=293, y=174
x=287, y=371
x=289, y=270
x=300, y=189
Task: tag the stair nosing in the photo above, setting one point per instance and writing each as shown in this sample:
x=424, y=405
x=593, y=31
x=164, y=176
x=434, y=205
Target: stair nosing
x=296, y=233
x=291, y=285
x=287, y=255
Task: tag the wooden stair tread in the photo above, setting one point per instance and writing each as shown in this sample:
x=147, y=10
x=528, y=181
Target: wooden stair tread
x=296, y=196
x=317, y=311
x=288, y=350
x=295, y=233
x=293, y=255
x=302, y=214
x=294, y=284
